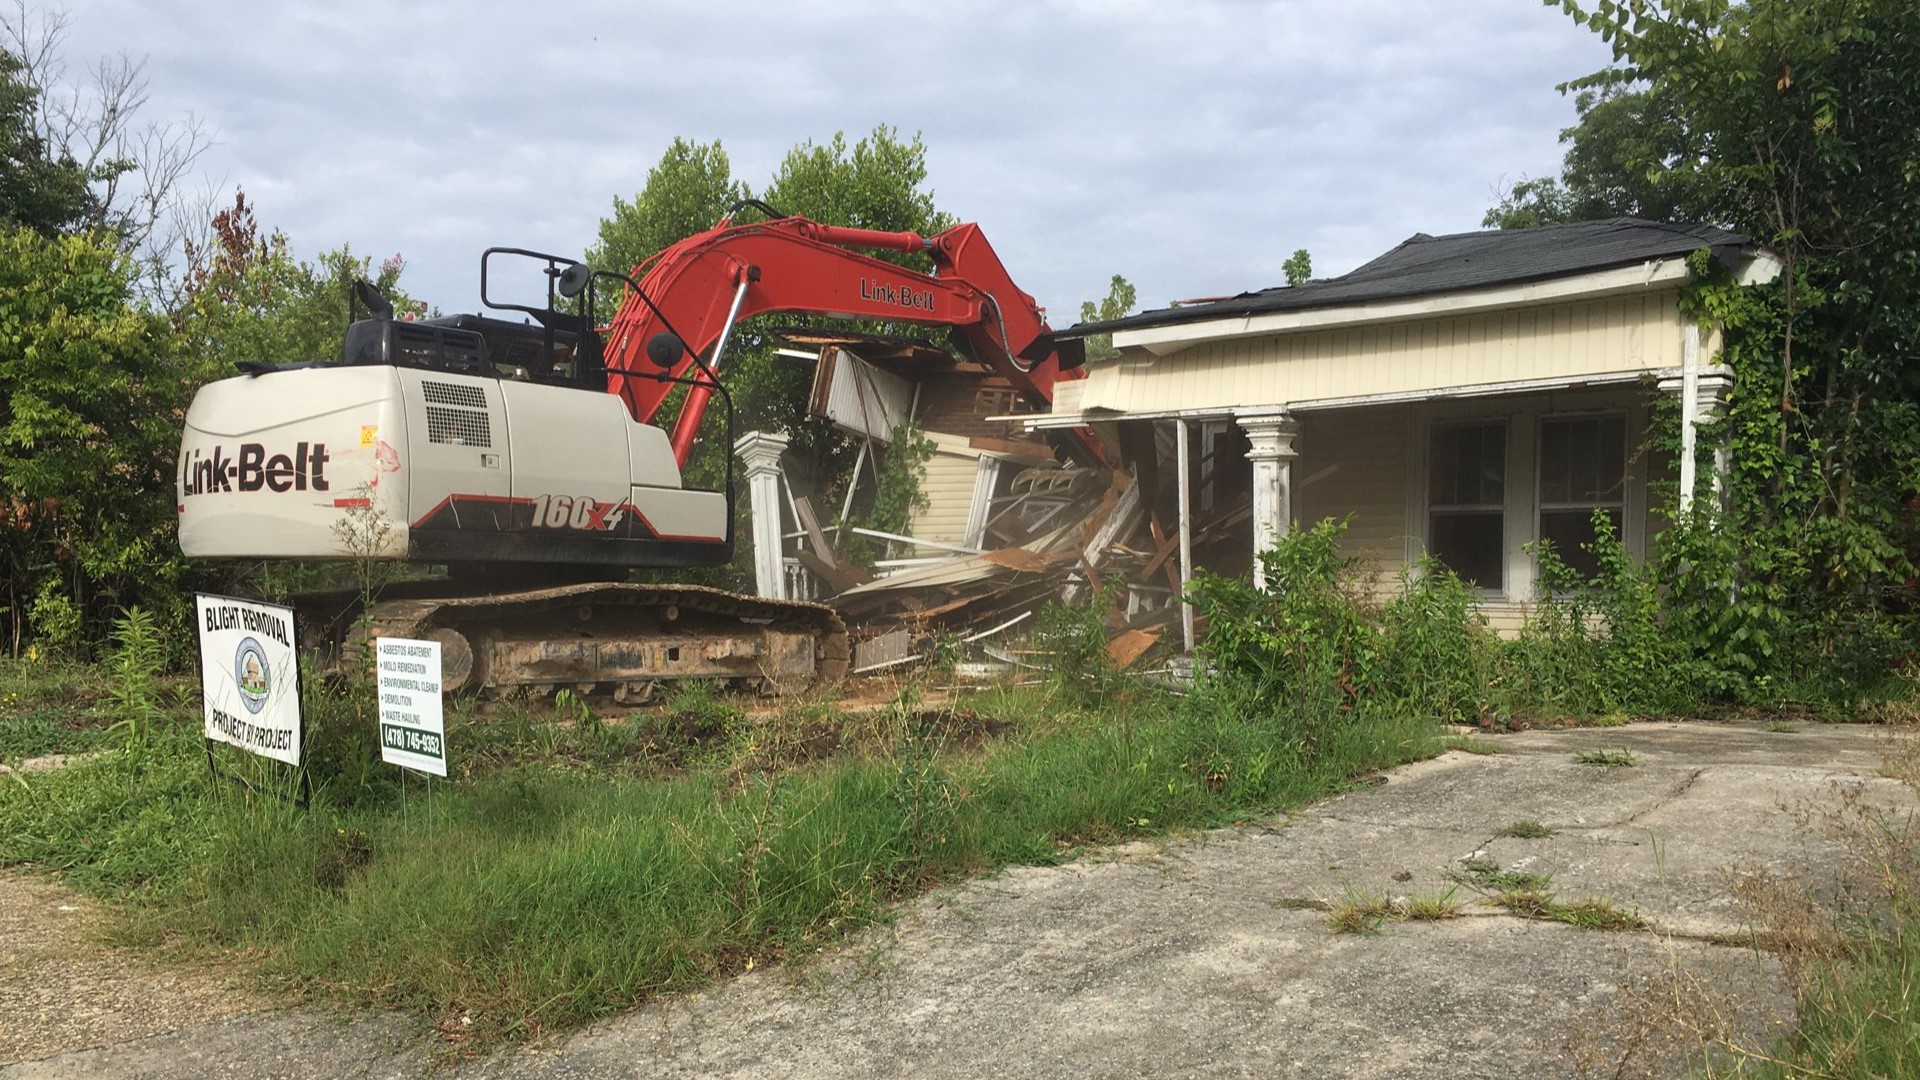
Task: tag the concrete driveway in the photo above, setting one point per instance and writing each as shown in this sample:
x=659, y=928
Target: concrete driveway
x=1213, y=956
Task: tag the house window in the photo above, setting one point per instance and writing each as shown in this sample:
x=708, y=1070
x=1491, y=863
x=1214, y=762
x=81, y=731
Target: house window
x=1583, y=464
x=1466, y=501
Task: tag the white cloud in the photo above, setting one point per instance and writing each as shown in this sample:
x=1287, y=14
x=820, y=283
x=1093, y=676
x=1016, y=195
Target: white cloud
x=1189, y=146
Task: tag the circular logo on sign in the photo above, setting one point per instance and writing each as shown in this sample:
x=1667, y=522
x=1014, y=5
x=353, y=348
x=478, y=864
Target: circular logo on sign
x=251, y=672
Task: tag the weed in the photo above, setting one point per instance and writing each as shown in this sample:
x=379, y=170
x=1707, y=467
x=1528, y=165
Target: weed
x=1073, y=639
x=1436, y=649
x=1610, y=758
x=50, y=706
x=1360, y=914
x=1780, y=727
x=1594, y=914
x=565, y=893
x=1365, y=913
x=570, y=706
x=345, y=851
x=1429, y=908
x=1531, y=896
x=1307, y=640
x=1469, y=744
x=699, y=707
x=138, y=658
x=1526, y=830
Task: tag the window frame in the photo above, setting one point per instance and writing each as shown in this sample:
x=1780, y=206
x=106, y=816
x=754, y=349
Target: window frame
x=1541, y=507
x=1523, y=414
x=1431, y=509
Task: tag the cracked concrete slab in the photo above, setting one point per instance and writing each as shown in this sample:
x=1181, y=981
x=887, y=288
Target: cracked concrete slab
x=1212, y=955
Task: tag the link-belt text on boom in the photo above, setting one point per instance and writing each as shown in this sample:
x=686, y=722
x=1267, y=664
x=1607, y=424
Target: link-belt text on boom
x=250, y=469
x=904, y=296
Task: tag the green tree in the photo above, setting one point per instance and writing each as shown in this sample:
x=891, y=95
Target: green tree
x=38, y=188
x=1298, y=267
x=1531, y=203
x=1801, y=122
x=246, y=299
x=1624, y=158
x=1116, y=305
x=90, y=400
x=686, y=192
x=127, y=167
x=877, y=182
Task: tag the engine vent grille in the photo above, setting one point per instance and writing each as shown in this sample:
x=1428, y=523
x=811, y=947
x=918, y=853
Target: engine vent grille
x=459, y=426
x=471, y=397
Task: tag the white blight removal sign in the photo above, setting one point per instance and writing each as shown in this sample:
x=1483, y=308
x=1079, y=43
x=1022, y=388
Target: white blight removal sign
x=413, y=730
x=249, y=676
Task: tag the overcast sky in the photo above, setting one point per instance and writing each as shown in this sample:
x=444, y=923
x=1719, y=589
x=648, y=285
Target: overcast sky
x=1191, y=146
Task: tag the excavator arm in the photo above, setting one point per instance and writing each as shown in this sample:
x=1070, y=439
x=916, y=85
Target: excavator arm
x=700, y=287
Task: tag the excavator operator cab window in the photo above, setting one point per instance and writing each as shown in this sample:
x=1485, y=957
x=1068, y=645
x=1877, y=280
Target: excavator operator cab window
x=415, y=345
x=529, y=360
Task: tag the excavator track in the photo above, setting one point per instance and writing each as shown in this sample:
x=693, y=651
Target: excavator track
x=623, y=636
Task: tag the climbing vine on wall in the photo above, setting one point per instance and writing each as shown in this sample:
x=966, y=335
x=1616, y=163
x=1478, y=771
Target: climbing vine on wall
x=902, y=474
x=1797, y=123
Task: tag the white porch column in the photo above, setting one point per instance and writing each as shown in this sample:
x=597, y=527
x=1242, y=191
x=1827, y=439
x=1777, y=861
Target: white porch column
x=1186, y=531
x=1271, y=433
x=760, y=452
x=1702, y=391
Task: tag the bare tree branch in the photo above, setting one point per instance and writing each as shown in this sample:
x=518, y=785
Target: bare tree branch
x=134, y=167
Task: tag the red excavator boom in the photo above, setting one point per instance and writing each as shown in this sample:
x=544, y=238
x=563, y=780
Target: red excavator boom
x=707, y=282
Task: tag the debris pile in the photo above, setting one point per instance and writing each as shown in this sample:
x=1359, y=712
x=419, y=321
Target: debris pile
x=1061, y=534
x=1008, y=529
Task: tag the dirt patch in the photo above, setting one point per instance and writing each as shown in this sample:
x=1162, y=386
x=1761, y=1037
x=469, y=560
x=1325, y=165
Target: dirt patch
x=62, y=990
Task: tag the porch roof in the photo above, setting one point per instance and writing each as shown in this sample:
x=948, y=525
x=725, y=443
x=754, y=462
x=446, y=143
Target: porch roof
x=1424, y=266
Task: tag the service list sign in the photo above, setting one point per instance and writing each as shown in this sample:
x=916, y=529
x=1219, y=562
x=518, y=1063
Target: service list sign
x=413, y=731
x=249, y=676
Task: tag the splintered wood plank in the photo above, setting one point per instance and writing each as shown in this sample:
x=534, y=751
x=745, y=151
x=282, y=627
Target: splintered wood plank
x=1126, y=649
x=840, y=576
x=810, y=524
x=1160, y=557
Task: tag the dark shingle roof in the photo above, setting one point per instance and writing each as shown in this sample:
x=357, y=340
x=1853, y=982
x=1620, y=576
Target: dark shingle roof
x=1424, y=265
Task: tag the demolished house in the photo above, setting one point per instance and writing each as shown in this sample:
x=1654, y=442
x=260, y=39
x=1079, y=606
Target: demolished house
x=1008, y=525
x=1459, y=396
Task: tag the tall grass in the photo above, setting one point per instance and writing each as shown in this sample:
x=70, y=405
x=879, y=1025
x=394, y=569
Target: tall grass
x=1851, y=947
x=589, y=865
x=579, y=865
x=537, y=898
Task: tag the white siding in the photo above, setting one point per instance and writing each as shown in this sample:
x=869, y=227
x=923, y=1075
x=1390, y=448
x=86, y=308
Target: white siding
x=1597, y=337
x=861, y=398
x=1367, y=465
x=948, y=486
x=1354, y=463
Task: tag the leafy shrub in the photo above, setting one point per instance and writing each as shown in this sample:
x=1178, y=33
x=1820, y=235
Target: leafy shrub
x=1602, y=646
x=1307, y=638
x=91, y=384
x=1436, y=650
x=1314, y=644
x=1073, y=640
